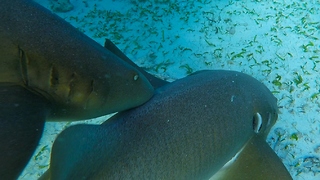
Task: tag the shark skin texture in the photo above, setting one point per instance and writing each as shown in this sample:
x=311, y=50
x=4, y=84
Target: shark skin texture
x=190, y=129
x=51, y=71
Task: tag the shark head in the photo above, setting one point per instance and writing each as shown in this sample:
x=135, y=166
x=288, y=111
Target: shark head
x=81, y=94
x=49, y=57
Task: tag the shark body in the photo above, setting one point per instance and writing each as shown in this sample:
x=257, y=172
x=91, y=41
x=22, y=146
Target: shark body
x=188, y=130
x=51, y=71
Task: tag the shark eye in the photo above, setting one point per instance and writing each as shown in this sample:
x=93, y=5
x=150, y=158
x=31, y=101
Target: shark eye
x=257, y=123
x=135, y=77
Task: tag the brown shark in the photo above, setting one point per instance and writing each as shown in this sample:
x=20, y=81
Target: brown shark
x=188, y=130
x=58, y=73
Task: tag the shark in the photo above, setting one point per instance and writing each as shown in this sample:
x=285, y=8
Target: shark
x=256, y=160
x=212, y=124
x=51, y=71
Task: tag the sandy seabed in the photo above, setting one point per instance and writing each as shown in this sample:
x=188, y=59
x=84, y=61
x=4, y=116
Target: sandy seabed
x=276, y=41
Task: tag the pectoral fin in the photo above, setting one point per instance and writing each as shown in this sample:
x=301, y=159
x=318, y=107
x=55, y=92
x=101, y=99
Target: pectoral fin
x=22, y=117
x=256, y=161
x=73, y=155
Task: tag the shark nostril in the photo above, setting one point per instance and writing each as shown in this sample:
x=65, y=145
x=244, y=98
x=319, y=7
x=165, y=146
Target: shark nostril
x=257, y=122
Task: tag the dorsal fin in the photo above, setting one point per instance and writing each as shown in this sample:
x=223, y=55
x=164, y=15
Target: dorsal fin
x=155, y=82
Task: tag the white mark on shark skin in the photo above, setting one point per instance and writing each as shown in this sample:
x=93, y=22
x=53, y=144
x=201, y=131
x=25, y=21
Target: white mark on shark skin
x=135, y=77
x=269, y=120
x=232, y=98
x=233, y=159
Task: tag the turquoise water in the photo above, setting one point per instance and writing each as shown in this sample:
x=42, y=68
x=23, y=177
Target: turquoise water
x=277, y=42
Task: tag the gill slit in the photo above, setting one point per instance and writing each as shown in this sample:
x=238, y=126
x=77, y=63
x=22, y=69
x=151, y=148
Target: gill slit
x=23, y=66
x=91, y=91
